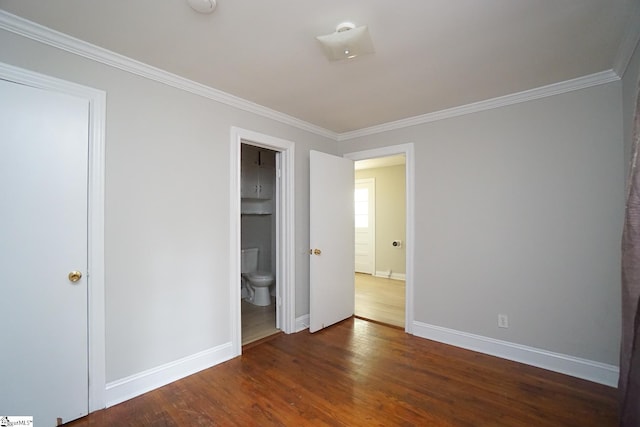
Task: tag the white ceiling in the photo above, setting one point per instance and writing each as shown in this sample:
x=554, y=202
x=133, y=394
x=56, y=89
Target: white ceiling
x=430, y=55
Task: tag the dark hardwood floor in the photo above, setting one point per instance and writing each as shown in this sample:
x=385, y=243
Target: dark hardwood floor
x=362, y=373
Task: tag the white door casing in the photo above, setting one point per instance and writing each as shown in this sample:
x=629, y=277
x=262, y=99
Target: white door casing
x=24, y=178
x=43, y=230
x=285, y=230
x=365, y=225
x=331, y=214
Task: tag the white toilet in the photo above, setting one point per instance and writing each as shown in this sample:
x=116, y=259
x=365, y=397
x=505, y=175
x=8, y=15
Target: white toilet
x=255, y=284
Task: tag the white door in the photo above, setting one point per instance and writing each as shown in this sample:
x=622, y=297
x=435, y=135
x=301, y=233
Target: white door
x=331, y=237
x=364, y=203
x=43, y=238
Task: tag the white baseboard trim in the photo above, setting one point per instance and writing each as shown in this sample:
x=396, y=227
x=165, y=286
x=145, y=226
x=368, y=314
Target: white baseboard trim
x=581, y=368
x=127, y=388
x=394, y=276
x=302, y=323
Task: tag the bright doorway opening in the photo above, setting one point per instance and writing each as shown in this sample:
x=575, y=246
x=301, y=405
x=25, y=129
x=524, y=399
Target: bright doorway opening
x=384, y=281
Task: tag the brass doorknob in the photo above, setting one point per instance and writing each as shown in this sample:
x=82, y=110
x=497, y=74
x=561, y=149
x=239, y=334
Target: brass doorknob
x=74, y=276
x=317, y=251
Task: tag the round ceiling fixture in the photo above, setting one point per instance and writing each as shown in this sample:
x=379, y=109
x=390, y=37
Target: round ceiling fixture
x=202, y=6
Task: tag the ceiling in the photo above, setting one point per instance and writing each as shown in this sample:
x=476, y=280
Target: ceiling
x=430, y=55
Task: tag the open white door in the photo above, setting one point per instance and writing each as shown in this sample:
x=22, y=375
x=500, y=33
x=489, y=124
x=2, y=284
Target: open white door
x=331, y=227
x=43, y=254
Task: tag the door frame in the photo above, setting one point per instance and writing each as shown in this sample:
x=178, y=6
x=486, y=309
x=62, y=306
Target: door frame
x=95, y=217
x=285, y=231
x=407, y=150
x=371, y=182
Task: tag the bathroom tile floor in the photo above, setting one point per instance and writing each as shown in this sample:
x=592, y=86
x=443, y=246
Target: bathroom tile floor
x=258, y=322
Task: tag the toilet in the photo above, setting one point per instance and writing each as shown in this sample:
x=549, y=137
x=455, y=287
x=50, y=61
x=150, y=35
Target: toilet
x=255, y=284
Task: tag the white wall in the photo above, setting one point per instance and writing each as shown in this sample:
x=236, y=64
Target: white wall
x=519, y=211
x=167, y=209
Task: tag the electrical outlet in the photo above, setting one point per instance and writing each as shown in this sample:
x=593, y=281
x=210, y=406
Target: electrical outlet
x=503, y=321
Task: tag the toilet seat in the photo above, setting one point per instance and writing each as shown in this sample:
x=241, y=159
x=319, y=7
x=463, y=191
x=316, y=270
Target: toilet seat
x=259, y=275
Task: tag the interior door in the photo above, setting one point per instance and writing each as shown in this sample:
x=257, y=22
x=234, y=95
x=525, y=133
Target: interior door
x=332, y=240
x=43, y=241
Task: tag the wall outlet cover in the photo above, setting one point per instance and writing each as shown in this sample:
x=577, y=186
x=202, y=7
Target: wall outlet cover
x=503, y=321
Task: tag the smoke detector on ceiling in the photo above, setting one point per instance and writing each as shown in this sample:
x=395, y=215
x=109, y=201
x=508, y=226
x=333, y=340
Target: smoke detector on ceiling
x=202, y=6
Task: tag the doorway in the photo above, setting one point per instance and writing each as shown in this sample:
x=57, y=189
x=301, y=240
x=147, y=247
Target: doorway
x=258, y=220
x=379, y=199
x=389, y=289
x=282, y=229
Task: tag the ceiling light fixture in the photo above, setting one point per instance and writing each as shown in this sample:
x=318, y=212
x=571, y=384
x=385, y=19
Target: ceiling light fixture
x=347, y=42
x=202, y=6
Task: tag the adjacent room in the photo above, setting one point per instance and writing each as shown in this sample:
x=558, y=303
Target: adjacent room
x=236, y=212
x=380, y=256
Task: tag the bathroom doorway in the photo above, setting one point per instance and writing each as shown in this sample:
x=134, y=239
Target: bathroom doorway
x=258, y=222
x=262, y=220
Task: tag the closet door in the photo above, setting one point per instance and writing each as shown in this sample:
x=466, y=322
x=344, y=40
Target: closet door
x=43, y=254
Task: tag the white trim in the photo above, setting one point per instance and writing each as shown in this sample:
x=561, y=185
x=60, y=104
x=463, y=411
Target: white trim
x=235, y=312
x=407, y=150
x=630, y=40
x=37, y=32
x=95, y=273
x=97, y=315
x=285, y=269
x=393, y=276
x=302, y=323
x=42, y=34
x=577, y=367
x=134, y=385
x=489, y=104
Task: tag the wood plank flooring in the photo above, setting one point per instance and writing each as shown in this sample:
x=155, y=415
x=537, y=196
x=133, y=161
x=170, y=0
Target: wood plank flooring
x=376, y=298
x=380, y=299
x=359, y=373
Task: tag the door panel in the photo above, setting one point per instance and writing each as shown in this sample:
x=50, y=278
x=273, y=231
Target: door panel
x=43, y=237
x=332, y=233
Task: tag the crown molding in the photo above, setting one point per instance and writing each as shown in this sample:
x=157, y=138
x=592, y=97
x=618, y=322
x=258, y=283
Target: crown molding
x=42, y=34
x=630, y=39
x=489, y=104
x=37, y=32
